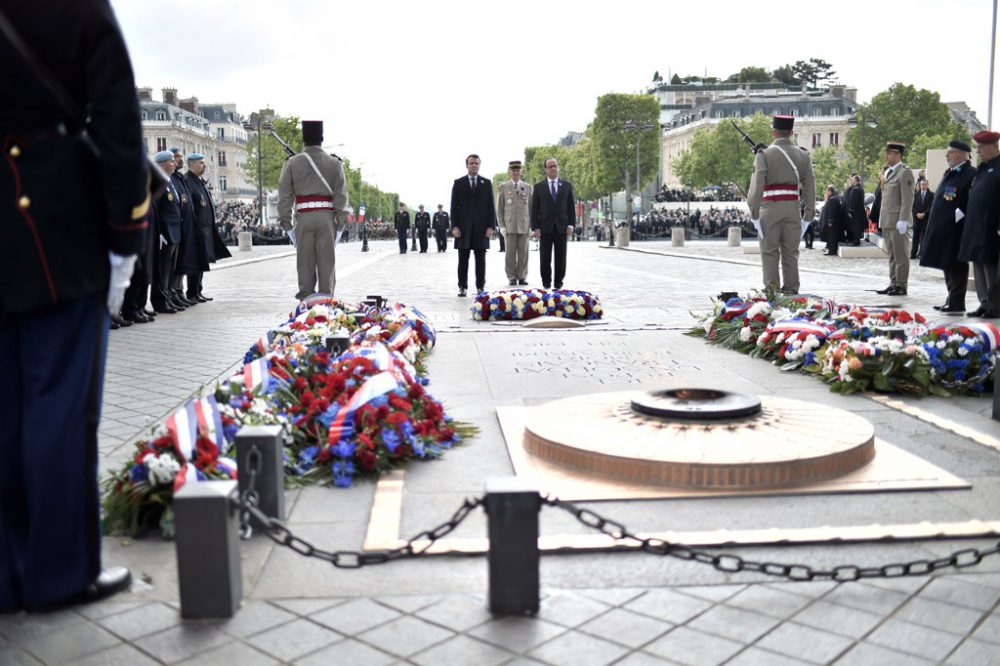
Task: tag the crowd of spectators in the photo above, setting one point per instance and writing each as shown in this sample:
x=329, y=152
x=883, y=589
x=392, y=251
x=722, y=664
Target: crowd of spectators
x=711, y=223
x=727, y=193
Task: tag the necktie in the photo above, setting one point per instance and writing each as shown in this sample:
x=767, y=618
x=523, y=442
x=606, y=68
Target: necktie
x=552, y=187
x=473, y=179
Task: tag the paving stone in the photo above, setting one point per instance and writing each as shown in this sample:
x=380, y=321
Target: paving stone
x=184, y=641
x=405, y=636
x=229, y=654
x=306, y=607
x=142, y=621
x=805, y=643
x=348, y=651
x=294, y=639
x=74, y=642
x=108, y=608
x=626, y=627
x=807, y=588
x=734, y=623
x=669, y=605
x=907, y=585
x=122, y=654
x=687, y=646
x=711, y=592
x=954, y=590
x=254, y=617
x=975, y=653
x=613, y=596
x=409, y=603
x=21, y=628
x=518, y=634
x=570, y=610
x=769, y=601
x=868, y=654
x=355, y=616
x=838, y=619
x=15, y=656
x=578, y=649
x=457, y=612
x=462, y=650
x=914, y=639
x=866, y=598
x=939, y=615
x=643, y=659
x=991, y=579
x=754, y=656
x=524, y=661
x=988, y=630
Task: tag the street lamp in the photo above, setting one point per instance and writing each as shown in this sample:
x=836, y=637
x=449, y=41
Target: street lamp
x=255, y=127
x=861, y=120
x=637, y=128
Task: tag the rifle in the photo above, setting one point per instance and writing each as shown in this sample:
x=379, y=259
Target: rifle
x=754, y=147
x=288, y=149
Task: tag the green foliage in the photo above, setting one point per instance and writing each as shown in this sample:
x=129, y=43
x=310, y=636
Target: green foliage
x=813, y=71
x=750, y=75
x=785, y=74
x=576, y=165
x=719, y=156
x=272, y=154
x=904, y=114
x=615, y=148
x=675, y=80
x=829, y=170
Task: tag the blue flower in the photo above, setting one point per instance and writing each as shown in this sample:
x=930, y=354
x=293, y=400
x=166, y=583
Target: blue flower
x=379, y=401
x=138, y=473
x=391, y=439
x=342, y=471
x=344, y=448
x=229, y=431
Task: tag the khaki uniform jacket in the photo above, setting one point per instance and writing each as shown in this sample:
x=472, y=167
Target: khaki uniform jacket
x=771, y=168
x=299, y=179
x=514, y=207
x=897, y=198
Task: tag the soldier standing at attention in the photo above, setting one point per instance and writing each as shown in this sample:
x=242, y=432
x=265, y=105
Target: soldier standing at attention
x=782, y=180
x=422, y=221
x=514, y=218
x=401, y=221
x=441, y=227
x=313, y=183
x=893, y=218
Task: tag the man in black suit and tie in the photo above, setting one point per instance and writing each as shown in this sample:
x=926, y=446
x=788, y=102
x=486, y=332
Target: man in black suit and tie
x=473, y=216
x=922, y=201
x=553, y=216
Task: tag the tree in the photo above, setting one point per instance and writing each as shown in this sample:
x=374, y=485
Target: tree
x=614, y=149
x=719, y=156
x=675, y=80
x=813, y=72
x=656, y=77
x=904, y=114
x=785, y=74
x=829, y=169
x=272, y=154
x=750, y=75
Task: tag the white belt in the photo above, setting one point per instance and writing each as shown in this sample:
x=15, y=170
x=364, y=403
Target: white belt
x=309, y=206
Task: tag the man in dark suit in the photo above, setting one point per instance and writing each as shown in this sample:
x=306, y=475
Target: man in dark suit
x=922, y=201
x=441, y=226
x=855, y=217
x=73, y=224
x=553, y=217
x=473, y=216
x=831, y=222
x=401, y=221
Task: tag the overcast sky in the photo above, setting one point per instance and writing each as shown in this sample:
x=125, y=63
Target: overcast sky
x=410, y=88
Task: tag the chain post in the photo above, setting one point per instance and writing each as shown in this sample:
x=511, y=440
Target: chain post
x=261, y=470
x=512, y=507
x=208, y=553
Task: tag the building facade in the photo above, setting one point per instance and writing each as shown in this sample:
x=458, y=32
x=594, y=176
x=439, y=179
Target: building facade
x=821, y=119
x=214, y=130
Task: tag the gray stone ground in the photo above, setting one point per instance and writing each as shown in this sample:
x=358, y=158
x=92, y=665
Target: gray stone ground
x=608, y=608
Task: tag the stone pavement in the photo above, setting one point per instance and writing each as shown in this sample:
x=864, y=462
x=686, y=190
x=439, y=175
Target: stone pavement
x=597, y=608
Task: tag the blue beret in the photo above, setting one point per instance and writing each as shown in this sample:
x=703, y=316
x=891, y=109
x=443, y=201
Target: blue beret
x=174, y=149
x=163, y=156
x=195, y=156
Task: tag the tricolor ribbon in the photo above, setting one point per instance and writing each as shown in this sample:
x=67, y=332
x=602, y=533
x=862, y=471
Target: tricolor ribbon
x=989, y=334
x=257, y=373
x=194, y=416
x=799, y=326
x=339, y=419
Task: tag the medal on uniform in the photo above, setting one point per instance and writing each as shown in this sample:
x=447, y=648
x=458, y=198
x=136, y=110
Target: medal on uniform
x=203, y=202
x=170, y=195
x=950, y=193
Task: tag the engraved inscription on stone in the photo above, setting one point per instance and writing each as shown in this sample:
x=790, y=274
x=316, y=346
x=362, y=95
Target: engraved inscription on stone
x=612, y=363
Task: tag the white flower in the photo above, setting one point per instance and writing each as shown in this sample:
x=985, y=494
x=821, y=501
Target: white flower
x=162, y=469
x=941, y=344
x=745, y=333
x=962, y=351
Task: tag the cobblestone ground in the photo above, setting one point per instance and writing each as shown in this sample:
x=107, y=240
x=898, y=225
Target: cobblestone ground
x=597, y=608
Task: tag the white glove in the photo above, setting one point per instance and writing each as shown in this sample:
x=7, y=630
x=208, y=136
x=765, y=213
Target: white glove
x=901, y=226
x=121, y=277
x=340, y=232
x=805, y=226
x=760, y=229
x=959, y=215
x=163, y=241
x=291, y=235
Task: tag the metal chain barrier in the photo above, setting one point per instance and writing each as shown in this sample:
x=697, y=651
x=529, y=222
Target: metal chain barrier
x=960, y=559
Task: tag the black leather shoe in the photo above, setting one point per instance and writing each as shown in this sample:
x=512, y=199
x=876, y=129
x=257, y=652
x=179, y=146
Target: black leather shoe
x=114, y=325
x=978, y=312
x=136, y=318
x=461, y=291
x=546, y=286
x=176, y=305
x=110, y=581
x=149, y=313
x=896, y=291
x=946, y=309
x=480, y=288
x=165, y=309
x=558, y=285
x=204, y=298
x=188, y=301
x=941, y=307
x=512, y=282
x=522, y=282
x=121, y=321
x=886, y=290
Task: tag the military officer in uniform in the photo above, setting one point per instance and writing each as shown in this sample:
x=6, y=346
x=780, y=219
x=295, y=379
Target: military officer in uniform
x=980, y=242
x=945, y=223
x=514, y=218
x=191, y=255
x=401, y=221
x=73, y=206
x=312, y=184
x=167, y=211
x=441, y=227
x=782, y=200
x=894, y=218
x=206, y=231
x=422, y=221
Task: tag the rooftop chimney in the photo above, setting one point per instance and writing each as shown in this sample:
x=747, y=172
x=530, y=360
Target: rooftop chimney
x=144, y=94
x=189, y=104
x=837, y=91
x=170, y=96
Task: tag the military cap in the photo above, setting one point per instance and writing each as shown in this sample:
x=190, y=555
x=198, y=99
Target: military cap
x=514, y=164
x=895, y=145
x=174, y=149
x=312, y=132
x=195, y=156
x=163, y=156
x=960, y=145
x=784, y=123
x=986, y=136
x=440, y=205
